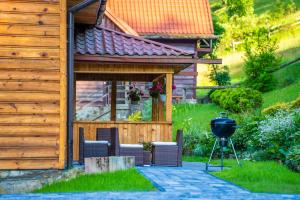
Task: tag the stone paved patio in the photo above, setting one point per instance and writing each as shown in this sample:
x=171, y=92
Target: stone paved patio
x=188, y=182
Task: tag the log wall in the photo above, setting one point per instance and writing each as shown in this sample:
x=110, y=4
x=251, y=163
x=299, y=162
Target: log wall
x=129, y=132
x=32, y=84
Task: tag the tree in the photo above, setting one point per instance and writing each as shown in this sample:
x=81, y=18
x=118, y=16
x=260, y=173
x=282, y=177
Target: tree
x=261, y=60
x=219, y=74
x=239, y=8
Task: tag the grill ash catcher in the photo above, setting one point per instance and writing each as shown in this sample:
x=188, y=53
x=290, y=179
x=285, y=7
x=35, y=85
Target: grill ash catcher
x=223, y=128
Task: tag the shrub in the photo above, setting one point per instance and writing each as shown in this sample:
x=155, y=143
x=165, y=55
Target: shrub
x=295, y=104
x=261, y=60
x=293, y=158
x=271, y=110
x=219, y=75
x=237, y=99
x=277, y=133
x=244, y=136
x=196, y=142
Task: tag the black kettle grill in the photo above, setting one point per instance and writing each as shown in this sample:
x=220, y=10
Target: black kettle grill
x=223, y=128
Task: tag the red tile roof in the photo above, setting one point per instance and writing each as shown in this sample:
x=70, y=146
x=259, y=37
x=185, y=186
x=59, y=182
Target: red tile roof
x=165, y=18
x=103, y=41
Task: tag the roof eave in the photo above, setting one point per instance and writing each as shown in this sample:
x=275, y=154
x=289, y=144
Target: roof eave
x=164, y=36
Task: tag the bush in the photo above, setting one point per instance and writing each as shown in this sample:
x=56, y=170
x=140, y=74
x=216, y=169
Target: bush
x=244, y=136
x=219, y=75
x=271, y=110
x=295, y=104
x=237, y=99
x=293, y=158
x=196, y=142
x=277, y=133
x=261, y=60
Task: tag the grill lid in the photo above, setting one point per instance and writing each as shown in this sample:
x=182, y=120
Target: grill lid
x=223, y=126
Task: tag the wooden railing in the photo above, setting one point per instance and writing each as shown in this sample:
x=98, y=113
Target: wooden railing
x=129, y=132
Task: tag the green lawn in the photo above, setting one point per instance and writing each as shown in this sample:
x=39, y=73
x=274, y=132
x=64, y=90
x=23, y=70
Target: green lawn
x=128, y=180
x=287, y=93
x=185, y=115
x=262, y=176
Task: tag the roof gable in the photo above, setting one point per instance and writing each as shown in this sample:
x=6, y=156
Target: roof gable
x=156, y=18
x=165, y=18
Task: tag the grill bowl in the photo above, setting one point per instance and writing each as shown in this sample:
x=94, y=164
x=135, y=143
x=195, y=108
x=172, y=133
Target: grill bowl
x=223, y=127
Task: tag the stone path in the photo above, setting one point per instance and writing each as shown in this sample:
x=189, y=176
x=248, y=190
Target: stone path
x=188, y=182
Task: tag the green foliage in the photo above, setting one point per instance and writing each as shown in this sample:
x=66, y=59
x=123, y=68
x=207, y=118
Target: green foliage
x=277, y=133
x=135, y=117
x=147, y=110
x=219, y=75
x=237, y=99
x=295, y=104
x=243, y=137
x=261, y=60
x=218, y=28
x=147, y=146
x=239, y=8
x=113, y=181
x=283, y=8
x=197, y=142
x=271, y=110
x=293, y=158
x=290, y=105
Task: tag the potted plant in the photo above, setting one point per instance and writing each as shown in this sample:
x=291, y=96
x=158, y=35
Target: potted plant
x=156, y=90
x=134, y=94
x=147, y=153
x=159, y=90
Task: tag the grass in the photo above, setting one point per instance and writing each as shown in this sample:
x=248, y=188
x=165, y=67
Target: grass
x=287, y=93
x=184, y=115
x=262, y=176
x=127, y=180
x=263, y=6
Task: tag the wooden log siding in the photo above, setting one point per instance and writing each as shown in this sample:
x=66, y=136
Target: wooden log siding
x=129, y=132
x=32, y=84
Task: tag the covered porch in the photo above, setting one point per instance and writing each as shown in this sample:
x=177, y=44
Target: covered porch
x=107, y=55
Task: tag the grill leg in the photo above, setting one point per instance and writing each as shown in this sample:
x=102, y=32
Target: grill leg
x=222, y=157
x=211, y=154
x=237, y=160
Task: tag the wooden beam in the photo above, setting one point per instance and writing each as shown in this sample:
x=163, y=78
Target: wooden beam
x=116, y=77
x=113, y=100
x=124, y=68
x=208, y=61
x=183, y=60
x=169, y=97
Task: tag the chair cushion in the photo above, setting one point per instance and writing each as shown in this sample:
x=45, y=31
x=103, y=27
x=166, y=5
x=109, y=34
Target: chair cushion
x=164, y=143
x=132, y=145
x=96, y=142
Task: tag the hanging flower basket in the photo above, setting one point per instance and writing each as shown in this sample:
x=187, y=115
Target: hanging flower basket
x=134, y=94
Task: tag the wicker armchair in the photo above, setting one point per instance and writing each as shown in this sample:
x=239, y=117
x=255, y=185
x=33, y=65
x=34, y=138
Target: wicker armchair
x=136, y=150
x=168, y=153
x=89, y=148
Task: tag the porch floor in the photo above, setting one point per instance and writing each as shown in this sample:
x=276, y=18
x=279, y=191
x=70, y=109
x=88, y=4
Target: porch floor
x=187, y=182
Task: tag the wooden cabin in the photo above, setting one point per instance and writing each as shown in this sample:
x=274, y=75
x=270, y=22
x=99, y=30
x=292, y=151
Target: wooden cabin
x=37, y=99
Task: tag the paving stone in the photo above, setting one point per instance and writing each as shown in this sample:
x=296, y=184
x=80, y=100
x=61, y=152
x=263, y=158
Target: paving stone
x=187, y=182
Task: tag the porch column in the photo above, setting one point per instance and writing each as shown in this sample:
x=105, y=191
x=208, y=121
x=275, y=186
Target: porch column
x=169, y=81
x=113, y=101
